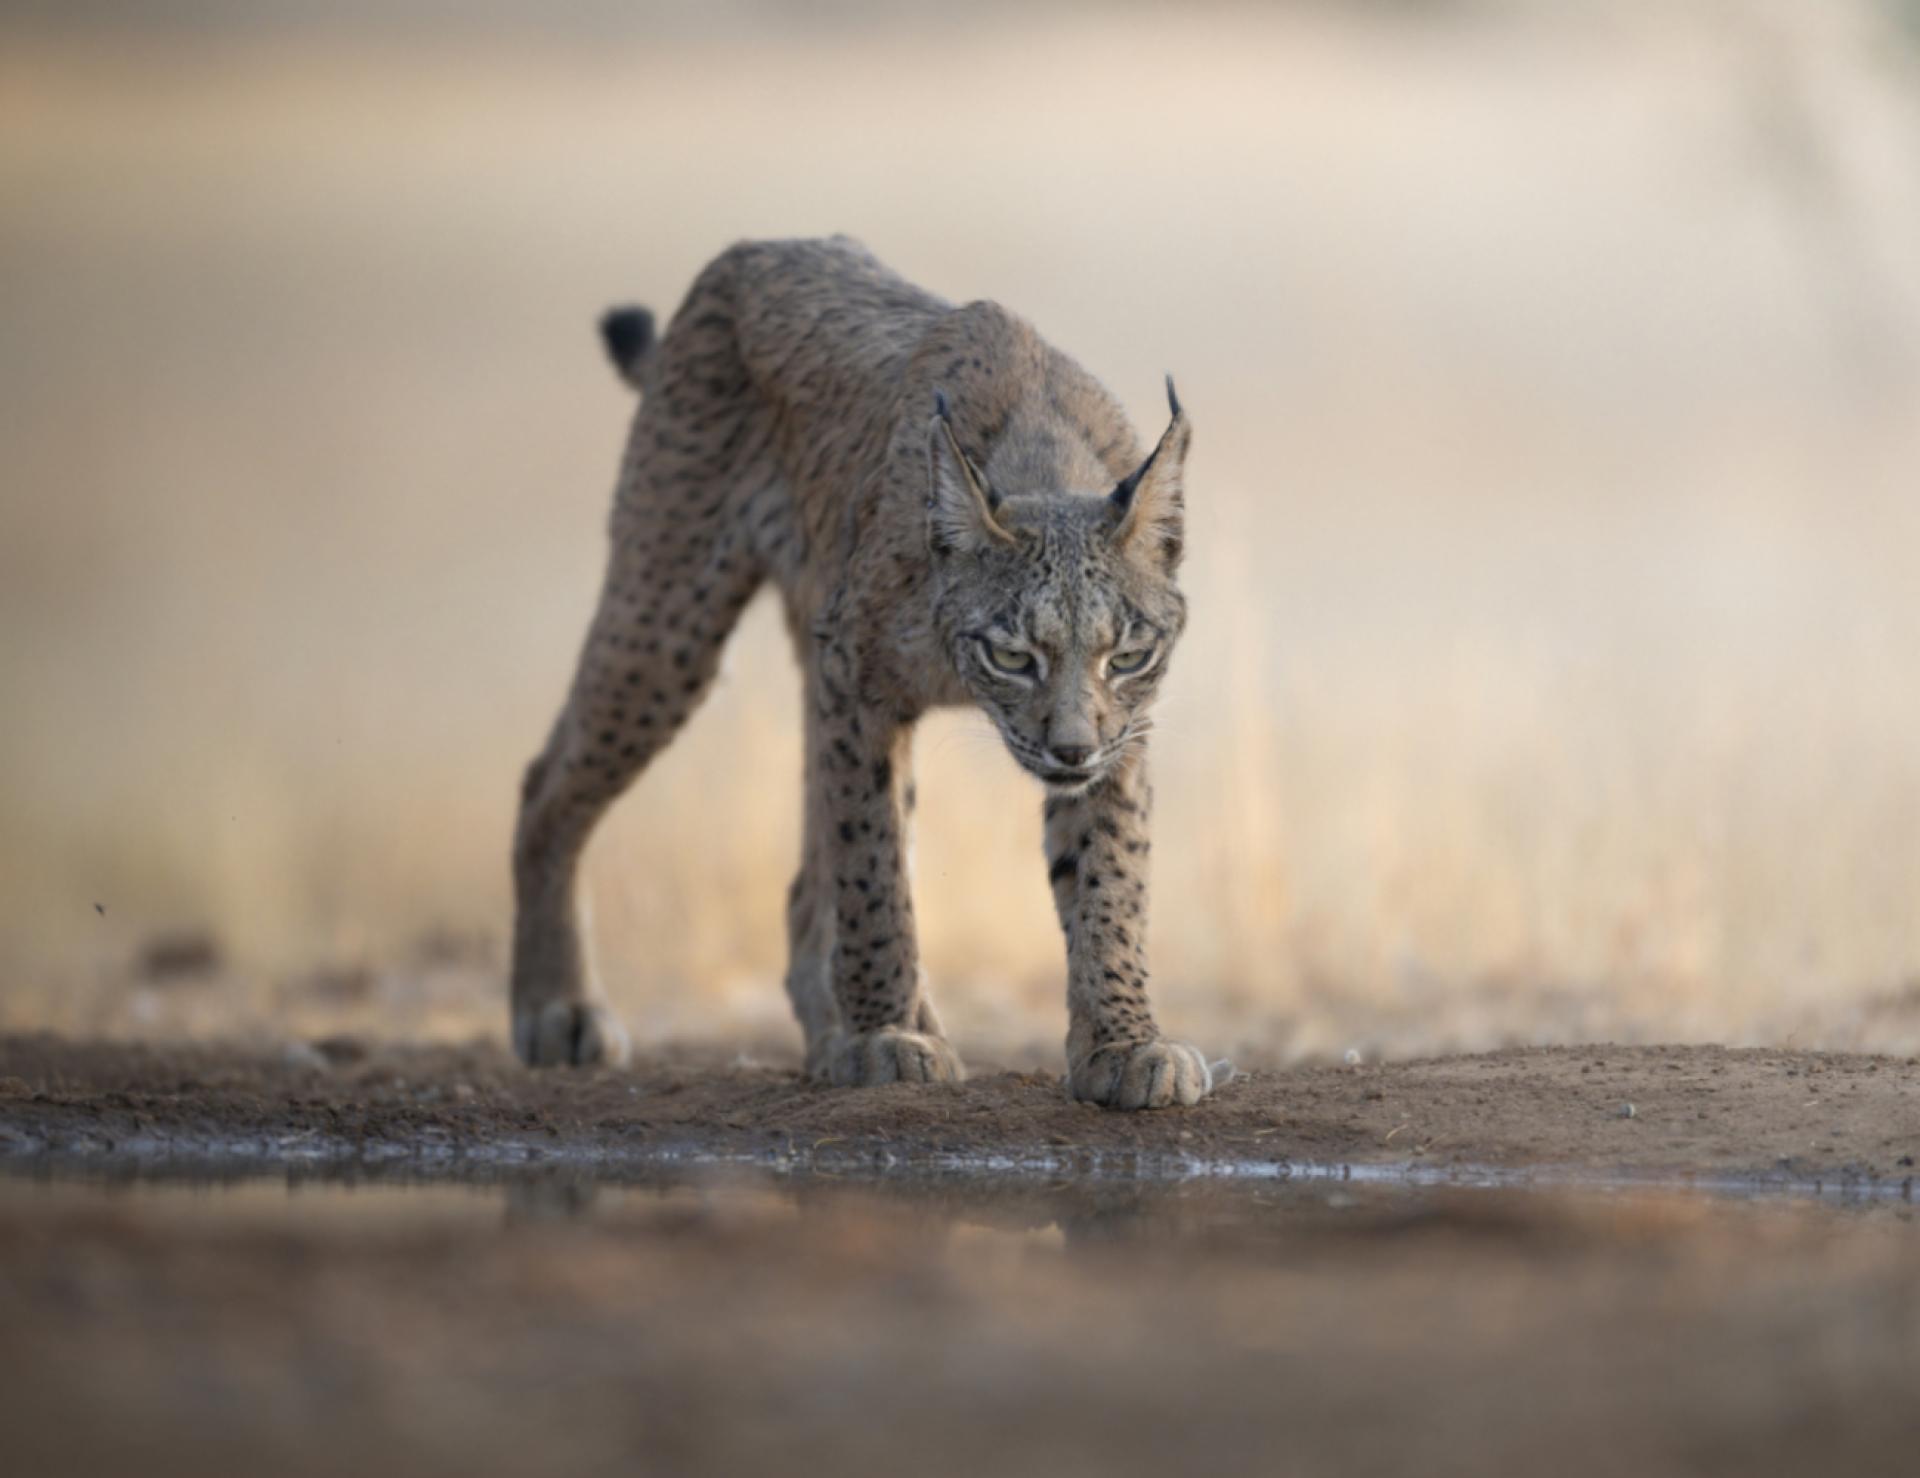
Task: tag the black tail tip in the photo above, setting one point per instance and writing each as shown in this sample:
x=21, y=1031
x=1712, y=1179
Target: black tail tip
x=628, y=335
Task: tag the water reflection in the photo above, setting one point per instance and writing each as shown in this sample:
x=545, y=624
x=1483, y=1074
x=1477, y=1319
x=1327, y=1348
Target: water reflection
x=1221, y=1219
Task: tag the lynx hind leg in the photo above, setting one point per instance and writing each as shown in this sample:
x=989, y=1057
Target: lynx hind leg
x=683, y=566
x=558, y=1016
x=810, y=969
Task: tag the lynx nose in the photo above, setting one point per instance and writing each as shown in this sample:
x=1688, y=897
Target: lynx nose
x=1072, y=756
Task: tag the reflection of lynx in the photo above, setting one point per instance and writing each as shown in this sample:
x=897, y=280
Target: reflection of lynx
x=954, y=513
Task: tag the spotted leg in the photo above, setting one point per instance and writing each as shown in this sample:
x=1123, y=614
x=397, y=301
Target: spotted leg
x=884, y=1028
x=1097, y=852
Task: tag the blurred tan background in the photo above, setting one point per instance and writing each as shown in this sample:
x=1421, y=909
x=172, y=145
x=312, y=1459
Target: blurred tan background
x=1556, y=377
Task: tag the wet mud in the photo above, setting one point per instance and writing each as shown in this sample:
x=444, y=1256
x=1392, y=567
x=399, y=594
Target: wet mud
x=1670, y=1115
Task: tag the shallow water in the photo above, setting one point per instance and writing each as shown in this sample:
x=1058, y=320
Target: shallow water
x=554, y=1322
x=1322, y=1204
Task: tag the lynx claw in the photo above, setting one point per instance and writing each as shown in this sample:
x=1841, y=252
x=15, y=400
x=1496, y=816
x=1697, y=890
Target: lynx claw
x=892, y=1055
x=570, y=1034
x=1142, y=1075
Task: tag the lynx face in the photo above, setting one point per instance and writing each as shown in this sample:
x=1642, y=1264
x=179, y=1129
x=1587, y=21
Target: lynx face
x=1060, y=639
x=1060, y=610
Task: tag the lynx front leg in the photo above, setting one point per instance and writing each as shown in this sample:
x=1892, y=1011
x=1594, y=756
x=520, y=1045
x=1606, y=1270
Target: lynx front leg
x=1097, y=853
x=887, y=1031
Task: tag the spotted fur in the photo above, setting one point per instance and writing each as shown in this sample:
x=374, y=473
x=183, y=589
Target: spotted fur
x=953, y=512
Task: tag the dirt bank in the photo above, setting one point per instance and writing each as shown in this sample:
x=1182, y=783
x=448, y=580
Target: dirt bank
x=1663, y=1113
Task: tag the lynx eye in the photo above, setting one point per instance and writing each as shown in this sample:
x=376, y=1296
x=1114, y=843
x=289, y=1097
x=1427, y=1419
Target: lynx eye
x=1126, y=662
x=1010, y=659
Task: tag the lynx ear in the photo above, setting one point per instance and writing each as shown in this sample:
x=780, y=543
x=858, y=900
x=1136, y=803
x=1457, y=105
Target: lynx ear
x=1149, y=503
x=960, y=505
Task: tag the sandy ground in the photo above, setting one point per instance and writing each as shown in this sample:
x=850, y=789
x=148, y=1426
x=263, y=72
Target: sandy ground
x=224, y=1260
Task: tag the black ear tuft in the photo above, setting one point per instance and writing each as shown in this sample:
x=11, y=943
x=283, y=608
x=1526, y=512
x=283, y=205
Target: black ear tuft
x=1147, y=506
x=960, y=502
x=1123, y=491
x=629, y=337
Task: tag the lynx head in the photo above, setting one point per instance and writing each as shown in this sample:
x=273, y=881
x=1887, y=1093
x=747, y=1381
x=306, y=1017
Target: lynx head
x=1059, y=608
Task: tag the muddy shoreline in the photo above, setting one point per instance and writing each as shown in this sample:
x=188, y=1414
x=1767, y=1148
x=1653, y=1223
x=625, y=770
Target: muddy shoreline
x=1671, y=1116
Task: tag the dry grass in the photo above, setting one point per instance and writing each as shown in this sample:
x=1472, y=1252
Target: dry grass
x=1558, y=390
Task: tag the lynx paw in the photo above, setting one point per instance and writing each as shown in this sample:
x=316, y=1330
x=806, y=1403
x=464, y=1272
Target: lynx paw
x=892, y=1055
x=1142, y=1075
x=570, y=1034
